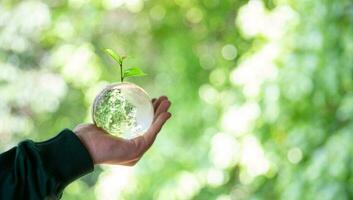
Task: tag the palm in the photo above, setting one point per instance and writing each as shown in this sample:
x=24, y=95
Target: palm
x=105, y=148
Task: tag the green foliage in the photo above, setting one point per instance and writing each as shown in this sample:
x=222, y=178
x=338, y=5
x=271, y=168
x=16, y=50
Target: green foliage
x=261, y=92
x=135, y=71
x=115, y=56
x=114, y=112
x=124, y=73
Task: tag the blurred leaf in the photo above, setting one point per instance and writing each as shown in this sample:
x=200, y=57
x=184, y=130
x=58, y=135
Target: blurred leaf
x=135, y=71
x=304, y=113
x=114, y=55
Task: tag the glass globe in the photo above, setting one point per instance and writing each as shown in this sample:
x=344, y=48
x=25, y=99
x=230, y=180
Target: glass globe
x=123, y=109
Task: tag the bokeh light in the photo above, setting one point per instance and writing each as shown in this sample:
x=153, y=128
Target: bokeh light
x=261, y=92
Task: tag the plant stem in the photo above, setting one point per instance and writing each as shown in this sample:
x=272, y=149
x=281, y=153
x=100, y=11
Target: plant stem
x=121, y=72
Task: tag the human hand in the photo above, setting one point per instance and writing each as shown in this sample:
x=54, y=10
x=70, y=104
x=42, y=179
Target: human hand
x=107, y=149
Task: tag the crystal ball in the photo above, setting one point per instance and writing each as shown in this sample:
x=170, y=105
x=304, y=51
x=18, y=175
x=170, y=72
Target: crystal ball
x=123, y=109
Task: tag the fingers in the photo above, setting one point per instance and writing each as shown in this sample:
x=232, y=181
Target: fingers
x=142, y=143
x=152, y=133
x=157, y=102
x=163, y=107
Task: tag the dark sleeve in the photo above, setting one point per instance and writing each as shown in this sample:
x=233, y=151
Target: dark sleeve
x=41, y=170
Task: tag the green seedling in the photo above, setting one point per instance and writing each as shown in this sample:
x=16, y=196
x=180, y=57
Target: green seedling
x=124, y=73
x=115, y=108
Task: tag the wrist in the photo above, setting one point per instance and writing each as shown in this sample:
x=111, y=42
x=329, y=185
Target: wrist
x=83, y=134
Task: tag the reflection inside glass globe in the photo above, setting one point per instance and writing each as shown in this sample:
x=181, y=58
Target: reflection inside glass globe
x=124, y=110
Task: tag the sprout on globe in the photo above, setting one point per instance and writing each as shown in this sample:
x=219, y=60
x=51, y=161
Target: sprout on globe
x=123, y=109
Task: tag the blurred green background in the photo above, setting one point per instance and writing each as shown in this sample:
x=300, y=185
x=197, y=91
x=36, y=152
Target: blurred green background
x=261, y=91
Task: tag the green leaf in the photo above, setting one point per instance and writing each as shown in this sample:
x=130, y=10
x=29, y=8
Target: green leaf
x=135, y=71
x=114, y=55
